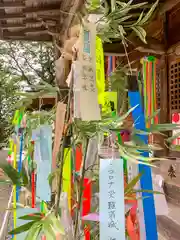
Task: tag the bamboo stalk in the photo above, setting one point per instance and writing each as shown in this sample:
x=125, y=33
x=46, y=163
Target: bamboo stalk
x=62, y=147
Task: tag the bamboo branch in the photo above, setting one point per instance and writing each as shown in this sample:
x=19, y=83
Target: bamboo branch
x=62, y=147
x=81, y=188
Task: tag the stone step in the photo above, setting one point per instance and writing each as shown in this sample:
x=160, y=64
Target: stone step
x=169, y=226
x=171, y=185
x=172, y=192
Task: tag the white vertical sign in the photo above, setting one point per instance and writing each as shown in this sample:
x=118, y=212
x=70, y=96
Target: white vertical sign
x=112, y=206
x=89, y=107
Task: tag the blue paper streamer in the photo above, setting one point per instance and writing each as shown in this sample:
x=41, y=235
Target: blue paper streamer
x=146, y=179
x=43, y=158
x=20, y=153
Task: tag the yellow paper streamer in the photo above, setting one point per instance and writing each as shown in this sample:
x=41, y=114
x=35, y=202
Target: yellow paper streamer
x=108, y=98
x=67, y=174
x=16, y=116
x=100, y=75
x=14, y=191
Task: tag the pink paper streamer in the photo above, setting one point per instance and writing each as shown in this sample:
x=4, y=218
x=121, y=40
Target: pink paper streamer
x=91, y=217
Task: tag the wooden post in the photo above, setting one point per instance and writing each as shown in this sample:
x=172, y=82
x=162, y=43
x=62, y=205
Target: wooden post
x=164, y=92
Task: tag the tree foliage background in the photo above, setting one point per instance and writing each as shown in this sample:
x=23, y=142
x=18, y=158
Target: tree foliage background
x=22, y=66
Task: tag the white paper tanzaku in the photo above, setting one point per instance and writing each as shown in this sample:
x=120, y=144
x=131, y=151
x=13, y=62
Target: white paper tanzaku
x=88, y=96
x=112, y=207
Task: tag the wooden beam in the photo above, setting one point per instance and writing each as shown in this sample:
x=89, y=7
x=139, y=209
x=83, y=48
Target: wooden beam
x=5, y=16
x=6, y=5
x=12, y=25
x=38, y=38
x=153, y=46
x=24, y=24
x=46, y=8
x=116, y=47
x=168, y=5
x=43, y=8
x=19, y=4
x=150, y=50
x=23, y=17
x=23, y=32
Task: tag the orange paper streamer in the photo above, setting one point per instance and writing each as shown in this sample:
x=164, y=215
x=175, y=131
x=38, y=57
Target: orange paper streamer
x=132, y=223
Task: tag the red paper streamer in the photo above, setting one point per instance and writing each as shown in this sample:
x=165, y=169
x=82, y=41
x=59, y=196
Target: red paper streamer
x=114, y=63
x=33, y=190
x=33, y=180
x=86, y=205
x=78, y=158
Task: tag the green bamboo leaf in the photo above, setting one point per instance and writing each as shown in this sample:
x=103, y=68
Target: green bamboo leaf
x=113, y=5
x=5, y=181
x=150, y=13
x=139, y=19
x=156, y=113
x=139, y=5
x=122, y=4
x=124, y=116
x=140, y=32
x=12, y=173
x=23, y=228
x=32, y=217
x=53, y=175
x=123, y=19
x=24, y=177
x=48, y=231
x=164, y=127
x=142, y=159
x=144, y=147
x=34, y=232
x=56, y=224
x=133, y=183
x=134, y=159
x=171, y=139
x=95, y=4
x=147, y=191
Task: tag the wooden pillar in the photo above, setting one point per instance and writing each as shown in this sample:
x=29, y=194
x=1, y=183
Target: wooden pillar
x=164, y=92
x=164, y=103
